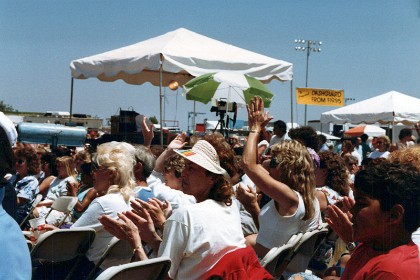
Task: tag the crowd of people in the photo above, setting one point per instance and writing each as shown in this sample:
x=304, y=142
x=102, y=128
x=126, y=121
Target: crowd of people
x=216, y=207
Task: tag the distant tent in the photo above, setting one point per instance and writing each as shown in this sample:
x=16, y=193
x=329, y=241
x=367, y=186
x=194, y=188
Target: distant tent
x=389, y=108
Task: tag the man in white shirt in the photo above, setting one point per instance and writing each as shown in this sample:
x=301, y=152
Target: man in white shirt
x=279, y=130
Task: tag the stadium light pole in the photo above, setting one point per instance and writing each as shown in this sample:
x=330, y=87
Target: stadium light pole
x=308, y=46
x=347, y=99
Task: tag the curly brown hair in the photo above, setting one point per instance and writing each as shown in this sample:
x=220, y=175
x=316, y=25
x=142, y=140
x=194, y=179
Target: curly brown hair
x=224, y=151
x=32, y=161
x=222, y=189
x=175, y=163
x=337, y=177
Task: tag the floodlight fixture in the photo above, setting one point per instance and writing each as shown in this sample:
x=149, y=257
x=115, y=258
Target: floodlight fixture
x=311, y=45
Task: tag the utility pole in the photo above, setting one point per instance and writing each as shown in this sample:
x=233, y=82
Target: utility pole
x=194, y=114
x=311, y=46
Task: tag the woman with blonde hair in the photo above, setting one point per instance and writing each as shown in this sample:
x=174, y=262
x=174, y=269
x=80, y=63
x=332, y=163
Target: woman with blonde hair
x=290, y=182
x=382, y=146
x=56, y=187
x=114, y=182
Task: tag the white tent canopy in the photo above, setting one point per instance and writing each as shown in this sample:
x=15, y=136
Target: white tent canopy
x=389, y=108
x=178, y=55
x=184, y=54
x=328, y=136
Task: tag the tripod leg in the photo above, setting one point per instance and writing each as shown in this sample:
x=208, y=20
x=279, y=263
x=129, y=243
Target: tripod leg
x=215, y=128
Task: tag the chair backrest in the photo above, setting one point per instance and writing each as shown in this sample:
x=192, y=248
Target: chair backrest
x=117, y=252
x=63, y=244
x=276, y=259
x=64, y=204
x=305, y=249
x=37, y=200
x=117, y=249
x=153, y=269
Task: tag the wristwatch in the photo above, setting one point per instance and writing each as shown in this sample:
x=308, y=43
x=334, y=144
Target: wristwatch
x=351, y=246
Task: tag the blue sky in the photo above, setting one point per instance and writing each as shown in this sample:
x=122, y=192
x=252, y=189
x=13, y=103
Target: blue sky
x=369, y=48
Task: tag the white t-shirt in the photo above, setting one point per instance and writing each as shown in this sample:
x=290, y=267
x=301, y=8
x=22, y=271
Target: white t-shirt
x=275, y=140
x=276, y=229
x=197, y=236
x=110, y=205
x=377, y=154
x=162, y=192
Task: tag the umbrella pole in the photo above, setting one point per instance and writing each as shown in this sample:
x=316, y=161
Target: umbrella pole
x=161, y=98
x=193, y=124
x=71, y=98
x=291, y=102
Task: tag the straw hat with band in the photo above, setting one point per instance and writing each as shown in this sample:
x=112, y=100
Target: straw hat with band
x=204, y=155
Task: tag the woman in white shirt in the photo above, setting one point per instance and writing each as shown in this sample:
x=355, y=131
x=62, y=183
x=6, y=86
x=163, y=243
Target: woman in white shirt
x=382, y=143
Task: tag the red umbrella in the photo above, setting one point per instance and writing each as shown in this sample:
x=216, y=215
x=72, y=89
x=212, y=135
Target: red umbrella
x=370, y=130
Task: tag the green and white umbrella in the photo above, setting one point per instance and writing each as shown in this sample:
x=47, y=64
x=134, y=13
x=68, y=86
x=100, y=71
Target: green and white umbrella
x=227, y=86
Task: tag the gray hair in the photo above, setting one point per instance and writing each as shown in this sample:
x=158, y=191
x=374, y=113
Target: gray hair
x=146, y=157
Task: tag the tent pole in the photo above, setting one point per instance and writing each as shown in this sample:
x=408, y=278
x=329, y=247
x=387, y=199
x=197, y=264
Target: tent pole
x=291, y=102
x=392, y=132
x=160, y=98
x=71, y=98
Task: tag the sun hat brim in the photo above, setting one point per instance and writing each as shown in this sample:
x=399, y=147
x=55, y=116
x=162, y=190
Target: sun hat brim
x=203, y=161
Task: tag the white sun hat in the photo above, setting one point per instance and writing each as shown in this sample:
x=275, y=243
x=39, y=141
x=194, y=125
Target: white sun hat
x=204, y=155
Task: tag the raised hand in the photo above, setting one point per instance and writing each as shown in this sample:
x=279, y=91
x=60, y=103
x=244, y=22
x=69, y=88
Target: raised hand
x=257, y=117
x=72, y=188
x=178, y=142
x=147, y=131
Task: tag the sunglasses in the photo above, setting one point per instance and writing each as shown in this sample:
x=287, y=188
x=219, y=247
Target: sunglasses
x=94, y=166
x=273, y=162
x=20, y=161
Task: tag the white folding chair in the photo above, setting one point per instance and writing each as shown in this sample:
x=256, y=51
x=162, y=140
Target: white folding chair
x=37, y=199
x=153, y=269
x=304, y=250
x=63, y=245
x=63, y=204
x=275, y=260
x=117, y=252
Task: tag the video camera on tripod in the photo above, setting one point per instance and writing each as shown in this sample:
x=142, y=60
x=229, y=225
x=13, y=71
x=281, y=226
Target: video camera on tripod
x=220, y=106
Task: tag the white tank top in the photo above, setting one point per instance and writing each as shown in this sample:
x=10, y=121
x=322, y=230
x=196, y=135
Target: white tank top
x=276, y=230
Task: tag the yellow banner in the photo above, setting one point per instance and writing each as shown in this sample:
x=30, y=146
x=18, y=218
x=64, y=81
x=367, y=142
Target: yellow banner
x=322, y=97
